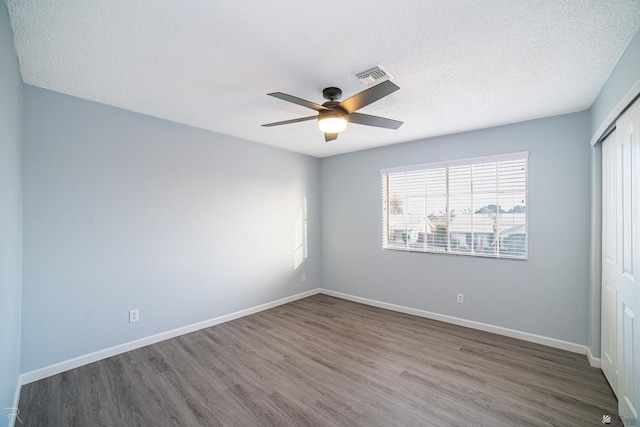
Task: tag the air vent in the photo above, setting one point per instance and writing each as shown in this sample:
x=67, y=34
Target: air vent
x=374, y=75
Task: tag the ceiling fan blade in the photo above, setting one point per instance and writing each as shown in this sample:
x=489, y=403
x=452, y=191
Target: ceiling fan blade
x=367, y=120
x=368, y=96
x=286, y=122
x=298, y=101
x=330, y=136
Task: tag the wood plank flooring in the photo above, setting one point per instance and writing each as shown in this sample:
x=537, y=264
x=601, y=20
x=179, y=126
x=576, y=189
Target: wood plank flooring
x=323, y=361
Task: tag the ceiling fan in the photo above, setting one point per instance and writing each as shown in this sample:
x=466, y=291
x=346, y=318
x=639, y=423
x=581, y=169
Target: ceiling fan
x=333, y=115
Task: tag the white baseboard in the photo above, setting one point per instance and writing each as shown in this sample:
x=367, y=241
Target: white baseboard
x=538, y=339
x=595, y=362
x=14, y=405
x=47, y=371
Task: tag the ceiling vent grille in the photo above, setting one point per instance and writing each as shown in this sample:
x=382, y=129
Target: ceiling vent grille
x=374, y=75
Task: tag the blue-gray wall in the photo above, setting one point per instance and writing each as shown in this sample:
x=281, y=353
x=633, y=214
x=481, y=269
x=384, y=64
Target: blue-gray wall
x=10, y=215
x=125, y=211
x=545, y=295
x=623, y=80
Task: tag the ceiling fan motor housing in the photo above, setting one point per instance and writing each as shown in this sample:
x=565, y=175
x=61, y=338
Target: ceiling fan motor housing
x=332, y=112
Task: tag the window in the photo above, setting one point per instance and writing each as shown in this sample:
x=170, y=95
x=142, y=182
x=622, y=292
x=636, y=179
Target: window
x=467, y=207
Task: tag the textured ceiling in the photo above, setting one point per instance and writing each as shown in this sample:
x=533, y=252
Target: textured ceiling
x=461, y=65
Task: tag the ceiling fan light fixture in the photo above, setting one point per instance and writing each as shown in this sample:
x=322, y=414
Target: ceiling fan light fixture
x=332, y=122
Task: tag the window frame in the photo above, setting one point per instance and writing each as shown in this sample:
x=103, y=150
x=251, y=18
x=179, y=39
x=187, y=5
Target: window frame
x=518, y=248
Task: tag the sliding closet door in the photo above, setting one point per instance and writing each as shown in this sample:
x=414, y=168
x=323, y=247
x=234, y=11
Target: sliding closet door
x=621, y=263
x=609, y=343
x=628, y=150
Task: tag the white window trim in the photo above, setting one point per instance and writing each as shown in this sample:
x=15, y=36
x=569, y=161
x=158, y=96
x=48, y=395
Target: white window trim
x=460, y=162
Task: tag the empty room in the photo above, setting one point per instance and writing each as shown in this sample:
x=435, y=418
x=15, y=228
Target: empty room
x=284, y=213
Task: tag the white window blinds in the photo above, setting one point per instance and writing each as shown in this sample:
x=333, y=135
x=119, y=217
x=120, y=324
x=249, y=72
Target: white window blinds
x=468, y=207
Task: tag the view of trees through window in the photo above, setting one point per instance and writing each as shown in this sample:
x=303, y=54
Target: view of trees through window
x=479, y=208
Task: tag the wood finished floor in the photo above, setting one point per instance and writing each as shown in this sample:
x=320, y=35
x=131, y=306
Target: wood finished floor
x=323, y=361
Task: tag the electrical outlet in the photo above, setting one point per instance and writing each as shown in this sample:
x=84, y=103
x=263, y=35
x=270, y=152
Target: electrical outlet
x=134, y=315
x=303, y=277
x=460, y=299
